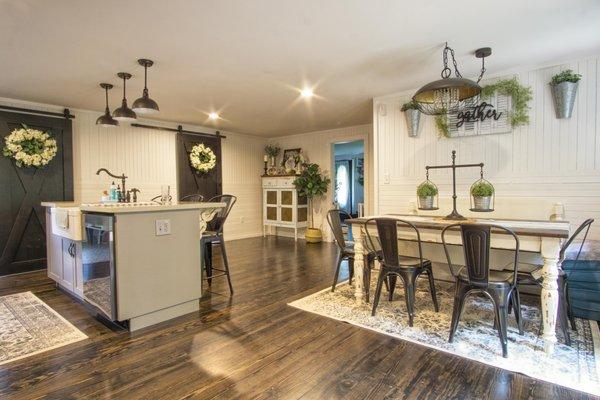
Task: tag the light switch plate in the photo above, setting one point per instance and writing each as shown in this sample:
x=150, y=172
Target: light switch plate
x=163, y=227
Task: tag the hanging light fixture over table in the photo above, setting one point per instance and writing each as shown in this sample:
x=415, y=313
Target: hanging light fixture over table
x=449, y=95
x=106, y=120
x=124, y=113
x=145, y=105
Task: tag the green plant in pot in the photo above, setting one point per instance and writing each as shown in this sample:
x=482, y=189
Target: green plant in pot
x=426, y=193
x=412, y=116
x=564, y=92
x=312, y=184
x=482, y=192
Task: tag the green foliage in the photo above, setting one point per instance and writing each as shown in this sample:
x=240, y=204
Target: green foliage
x=311, y=183
x=565, y=76
x=411, y=105
x=427, y=189
x=520, y=95
x=272, y=151
x=482, y=189
x=441, y=123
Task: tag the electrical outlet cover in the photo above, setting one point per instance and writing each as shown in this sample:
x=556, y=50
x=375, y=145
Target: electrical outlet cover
x=163, y=227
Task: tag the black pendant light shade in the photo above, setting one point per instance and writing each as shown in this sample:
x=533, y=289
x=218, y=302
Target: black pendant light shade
x=145, y=105
x=451, y=95
x=124, y=113
x=106, y=120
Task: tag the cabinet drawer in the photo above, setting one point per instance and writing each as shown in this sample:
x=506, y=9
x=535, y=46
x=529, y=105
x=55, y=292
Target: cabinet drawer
x=66, y=222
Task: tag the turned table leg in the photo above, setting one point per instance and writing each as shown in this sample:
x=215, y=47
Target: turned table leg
x=357, y=233
x=550, y=250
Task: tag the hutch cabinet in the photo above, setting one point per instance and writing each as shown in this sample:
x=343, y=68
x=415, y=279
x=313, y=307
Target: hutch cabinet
x=282, y=206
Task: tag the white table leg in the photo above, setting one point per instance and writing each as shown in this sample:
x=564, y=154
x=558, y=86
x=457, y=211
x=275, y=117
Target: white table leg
x=550, y=250
x=358, y=262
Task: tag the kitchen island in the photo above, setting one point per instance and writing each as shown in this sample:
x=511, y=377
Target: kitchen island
x=136, y=264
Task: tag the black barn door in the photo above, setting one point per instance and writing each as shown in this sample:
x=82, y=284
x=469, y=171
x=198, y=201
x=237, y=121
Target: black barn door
x=191, y=182
x=22, y=218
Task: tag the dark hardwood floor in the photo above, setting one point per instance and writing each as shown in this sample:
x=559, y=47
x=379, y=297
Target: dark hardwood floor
x=252, y=346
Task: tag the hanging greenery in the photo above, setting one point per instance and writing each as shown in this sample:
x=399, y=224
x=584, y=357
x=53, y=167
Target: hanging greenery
x=519, y=94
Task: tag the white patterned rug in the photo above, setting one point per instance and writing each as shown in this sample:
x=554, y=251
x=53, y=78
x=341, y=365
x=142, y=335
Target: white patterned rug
x=576, y=367
x=29, y=326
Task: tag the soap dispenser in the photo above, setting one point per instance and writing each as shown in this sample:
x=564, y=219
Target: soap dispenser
x=112, y=194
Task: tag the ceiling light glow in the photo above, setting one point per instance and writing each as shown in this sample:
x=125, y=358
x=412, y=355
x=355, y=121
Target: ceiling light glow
x=213, y=115
x=307, y=93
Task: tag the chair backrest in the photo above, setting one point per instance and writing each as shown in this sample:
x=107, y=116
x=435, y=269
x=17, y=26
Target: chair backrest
x=476, y=241
x=334, y=219
x=192, y=198
x=585, y=226
x=156, y=199
x=387, y=231
x=217, y=223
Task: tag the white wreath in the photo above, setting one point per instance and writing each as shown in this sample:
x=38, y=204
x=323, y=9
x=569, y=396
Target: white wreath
x=202, y=158
x=29, y=147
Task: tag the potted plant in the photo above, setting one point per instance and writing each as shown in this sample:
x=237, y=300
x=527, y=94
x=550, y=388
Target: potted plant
x=413, y=117
x=312, y=184
x=426, y=193
x=482, y=193
x=564, y=91
x=272, y=151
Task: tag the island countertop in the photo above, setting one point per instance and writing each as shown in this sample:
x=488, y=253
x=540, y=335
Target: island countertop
x=126, y=208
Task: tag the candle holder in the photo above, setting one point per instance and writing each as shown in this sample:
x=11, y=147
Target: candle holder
x=265, y=168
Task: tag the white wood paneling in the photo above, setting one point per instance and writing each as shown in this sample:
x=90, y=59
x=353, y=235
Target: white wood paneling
x=555, y=159
x=147, y=157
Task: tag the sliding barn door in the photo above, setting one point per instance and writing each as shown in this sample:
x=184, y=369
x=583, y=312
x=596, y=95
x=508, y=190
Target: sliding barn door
x=22, y=218
x=188, y=180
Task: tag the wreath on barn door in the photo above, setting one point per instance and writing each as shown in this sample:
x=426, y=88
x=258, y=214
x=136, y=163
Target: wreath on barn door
x=202, y=158
x=29, y=147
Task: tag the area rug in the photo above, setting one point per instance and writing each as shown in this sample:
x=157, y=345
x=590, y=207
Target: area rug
x=29, y=326
x=576, y=367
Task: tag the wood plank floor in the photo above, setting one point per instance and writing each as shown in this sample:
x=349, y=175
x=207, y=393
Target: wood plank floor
x=252, y=346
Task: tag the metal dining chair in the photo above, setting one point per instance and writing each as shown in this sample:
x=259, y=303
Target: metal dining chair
x=192, y=198
x=346, y=251
x=214, y=235
x=394, y=265
x=476, y=277
x=530, y=274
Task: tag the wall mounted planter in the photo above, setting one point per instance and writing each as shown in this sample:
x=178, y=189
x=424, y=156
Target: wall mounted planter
x=564, y=95
x=413, y=118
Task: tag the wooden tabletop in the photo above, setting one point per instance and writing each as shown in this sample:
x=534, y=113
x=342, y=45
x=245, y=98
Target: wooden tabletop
x=540, y=228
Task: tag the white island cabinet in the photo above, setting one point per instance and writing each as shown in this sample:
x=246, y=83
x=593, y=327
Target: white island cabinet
x=135, y=264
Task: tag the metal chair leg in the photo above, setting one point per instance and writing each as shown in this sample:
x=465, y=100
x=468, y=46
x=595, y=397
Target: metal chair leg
x=409, y=290
x=380, y=279
x=432, y=290
x=337, y=270
x=516, y=304
x=226, y=264
x=459, y=300
x=392, y=283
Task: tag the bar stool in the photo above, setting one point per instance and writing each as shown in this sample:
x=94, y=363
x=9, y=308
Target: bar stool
x=394, y=265
x=477, y=277
x=192, y=198
x=214, y=235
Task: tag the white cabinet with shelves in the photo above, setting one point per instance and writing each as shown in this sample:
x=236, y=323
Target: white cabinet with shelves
x=282, y=205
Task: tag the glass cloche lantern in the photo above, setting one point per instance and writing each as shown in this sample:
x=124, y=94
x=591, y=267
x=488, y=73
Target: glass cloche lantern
x=482, y=195
x=427, y=194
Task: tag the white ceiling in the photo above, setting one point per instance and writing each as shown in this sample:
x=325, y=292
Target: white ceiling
x=246, y=58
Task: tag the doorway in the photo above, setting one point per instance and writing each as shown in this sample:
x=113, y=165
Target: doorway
x=349, y=176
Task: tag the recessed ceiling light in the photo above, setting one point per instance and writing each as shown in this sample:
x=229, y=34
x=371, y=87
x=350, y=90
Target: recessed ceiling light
x=213, y=115
x=307, y=93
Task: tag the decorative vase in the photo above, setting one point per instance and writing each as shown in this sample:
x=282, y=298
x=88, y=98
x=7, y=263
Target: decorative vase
x=426, y=202
x=413, y=117
x=313, y=235
x=564, y=95
x=482, y=203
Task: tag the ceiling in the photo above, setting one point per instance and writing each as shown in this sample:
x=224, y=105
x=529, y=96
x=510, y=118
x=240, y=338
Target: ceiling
x=247, y=59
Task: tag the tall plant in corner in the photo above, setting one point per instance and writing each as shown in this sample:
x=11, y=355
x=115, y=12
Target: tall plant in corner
x=312, y=184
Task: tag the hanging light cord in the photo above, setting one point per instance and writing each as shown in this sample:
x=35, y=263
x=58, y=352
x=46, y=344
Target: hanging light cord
x=446, y=72
x=145, y=80
x=124, y=83
x=482, y=69
x=107, y=110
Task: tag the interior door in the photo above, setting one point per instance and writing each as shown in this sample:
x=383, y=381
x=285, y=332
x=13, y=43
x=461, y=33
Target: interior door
x=343, y=185
x=188, y=180
x=22, y=218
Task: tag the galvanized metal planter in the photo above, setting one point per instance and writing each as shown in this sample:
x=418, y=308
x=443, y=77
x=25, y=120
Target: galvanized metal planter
x=482, y=203
x=426, y=203
x=564, y=95
x=413, y=117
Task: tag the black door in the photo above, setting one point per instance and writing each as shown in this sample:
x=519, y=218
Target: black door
x=188, y=180
x=22, y=218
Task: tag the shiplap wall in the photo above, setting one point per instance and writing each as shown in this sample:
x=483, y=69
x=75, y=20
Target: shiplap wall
x=147, y=157
x=318, y=148
x=555, y=159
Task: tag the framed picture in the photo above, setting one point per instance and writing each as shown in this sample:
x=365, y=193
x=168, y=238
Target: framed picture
x=290, y=153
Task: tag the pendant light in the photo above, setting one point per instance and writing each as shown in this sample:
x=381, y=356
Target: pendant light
x=451, y=95
x=106, y=120
x=145, y=105
x=124, y=113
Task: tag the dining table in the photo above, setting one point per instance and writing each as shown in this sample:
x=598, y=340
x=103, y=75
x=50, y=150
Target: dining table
x=540, y=241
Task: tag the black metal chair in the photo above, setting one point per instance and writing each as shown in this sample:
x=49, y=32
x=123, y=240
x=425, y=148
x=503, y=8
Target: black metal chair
x=214, y=235
x=346, y=251
x=192, y=198
x=530, y=274
x=393, y=264
x=477, y=277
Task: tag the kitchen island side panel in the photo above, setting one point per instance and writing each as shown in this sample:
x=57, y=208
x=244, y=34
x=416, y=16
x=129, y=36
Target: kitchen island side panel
x=156, y=272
